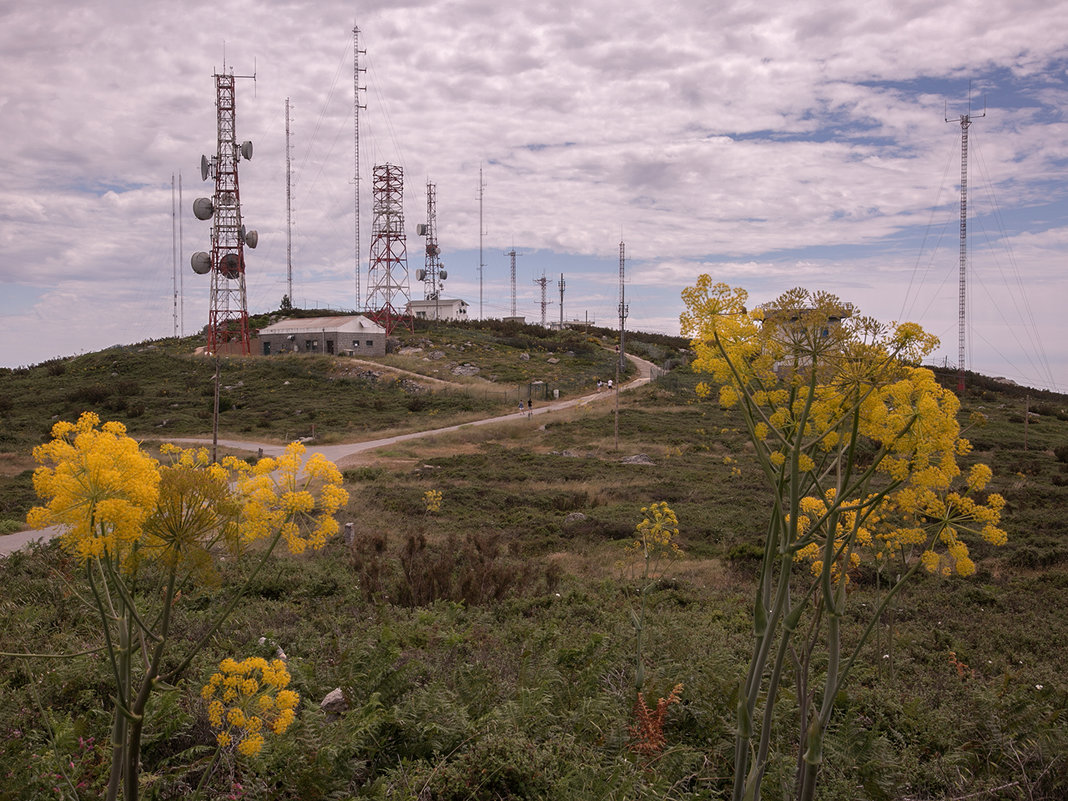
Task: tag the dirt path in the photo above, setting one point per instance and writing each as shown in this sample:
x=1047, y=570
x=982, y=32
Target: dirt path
x=338, y=453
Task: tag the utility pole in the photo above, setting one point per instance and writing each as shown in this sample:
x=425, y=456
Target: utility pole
x=962, y=294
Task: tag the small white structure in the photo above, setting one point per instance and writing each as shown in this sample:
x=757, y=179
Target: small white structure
x=345, y=335
x=440, y=309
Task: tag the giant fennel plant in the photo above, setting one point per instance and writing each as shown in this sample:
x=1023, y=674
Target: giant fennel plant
x=860, y=447
x=143, y=531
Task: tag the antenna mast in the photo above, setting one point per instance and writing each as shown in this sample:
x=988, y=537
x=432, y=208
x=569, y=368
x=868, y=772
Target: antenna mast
x=432, y=273
x=181, y=257
x=174, y=255
x=542, y=282
x=623, y=308
x=228, y=312
x=481, y=233
x=289, y=214
x=562, y=285
x=356, y=106
x=387, y=272
x=962, y=294
x=511, y=255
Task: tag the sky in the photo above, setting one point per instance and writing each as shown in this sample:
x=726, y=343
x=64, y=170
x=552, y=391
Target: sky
x=770, y=145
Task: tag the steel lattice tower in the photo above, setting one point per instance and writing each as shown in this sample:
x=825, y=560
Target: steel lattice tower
x=962, y=292
x=228, y=316
x=511, y=255
x=432, y=264
x=387, y=273
x=624, y=309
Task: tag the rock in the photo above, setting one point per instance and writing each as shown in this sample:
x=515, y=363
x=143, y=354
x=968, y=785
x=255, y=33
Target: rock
x=465, y=369
x=524, y=357
x=334, y=705
x=409, y=351
x=638, y=458
x=436, y=355
x=574, y=517
x=553, y=360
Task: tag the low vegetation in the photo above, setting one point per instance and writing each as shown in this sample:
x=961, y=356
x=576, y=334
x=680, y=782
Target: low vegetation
x=485, y=648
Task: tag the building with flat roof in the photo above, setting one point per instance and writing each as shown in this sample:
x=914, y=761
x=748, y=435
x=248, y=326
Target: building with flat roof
x=344, y=335
x=441, y=309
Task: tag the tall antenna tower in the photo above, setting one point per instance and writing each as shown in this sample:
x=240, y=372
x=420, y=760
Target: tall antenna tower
x=542, y=282
x=481, y=233
x=511, y=256
x=562, y=285
x=356, y=106
x=228, y=313
x=432, y=273
x=174, y=254
x=962, y=294
x=624, y=309
x=181, y=258
x=387, y=272
x=289, y=213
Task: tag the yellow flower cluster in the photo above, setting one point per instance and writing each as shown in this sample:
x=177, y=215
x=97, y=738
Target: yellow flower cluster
x=432, y=500
x=99, y=486
x=657, y=533
x=246, y=699
x=813, y=380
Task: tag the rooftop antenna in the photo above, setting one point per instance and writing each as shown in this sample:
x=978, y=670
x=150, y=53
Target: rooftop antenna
x=356, y=106
x=289, y=213
x=965, y=121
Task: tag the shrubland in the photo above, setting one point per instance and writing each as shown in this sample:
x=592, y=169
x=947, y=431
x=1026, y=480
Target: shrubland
x=486, y=648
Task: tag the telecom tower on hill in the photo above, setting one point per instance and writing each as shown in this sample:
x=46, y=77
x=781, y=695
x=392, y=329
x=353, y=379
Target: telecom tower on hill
x=433, y=273
x=387, y=273
x=228, y=313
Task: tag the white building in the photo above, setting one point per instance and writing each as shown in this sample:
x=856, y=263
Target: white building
x=441, y=309
x=345, y=335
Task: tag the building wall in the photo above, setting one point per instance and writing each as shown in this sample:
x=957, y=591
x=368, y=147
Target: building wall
x=331, y=343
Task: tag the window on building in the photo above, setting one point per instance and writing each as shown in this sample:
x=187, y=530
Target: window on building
x=370, y=343
x=266, y=347
x=311, y=344
x=355, y=343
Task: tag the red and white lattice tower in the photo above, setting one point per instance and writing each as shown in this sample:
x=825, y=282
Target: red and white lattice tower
x=228, y=312
x=387, y=272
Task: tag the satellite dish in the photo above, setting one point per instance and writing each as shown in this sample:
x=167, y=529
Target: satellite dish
x=200, y=262
x=442, y=274
x=203, y=208
x=246, y=150
x=420, y=274
x=230, y=265
x=252, y=238
x=205, y=168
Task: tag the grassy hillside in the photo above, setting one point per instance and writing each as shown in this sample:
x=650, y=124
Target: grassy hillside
x=487, y=652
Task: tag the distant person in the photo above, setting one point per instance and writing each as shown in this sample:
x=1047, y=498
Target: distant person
x=600, y=385
x=609, y=384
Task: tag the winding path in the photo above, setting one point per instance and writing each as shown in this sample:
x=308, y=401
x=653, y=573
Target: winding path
x=338, y=453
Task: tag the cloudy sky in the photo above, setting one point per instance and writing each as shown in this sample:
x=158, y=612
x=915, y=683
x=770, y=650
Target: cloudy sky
x=772, y=145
